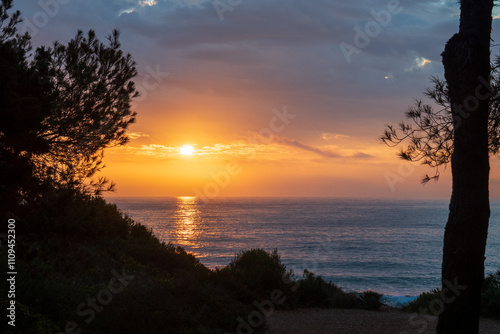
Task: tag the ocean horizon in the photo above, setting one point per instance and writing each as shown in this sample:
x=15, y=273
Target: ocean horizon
x=392, y=246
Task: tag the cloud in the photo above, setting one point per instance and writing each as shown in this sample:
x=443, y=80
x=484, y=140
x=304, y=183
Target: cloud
x=136, y=135
x=361, y=155
x=270, y=52
x=148, y=3
x=221, y=151
x=331, y=136
x=255, y=147
x=280, y=47
x=325, y=152
x=294, y=143
x=419, y=63
x=153, y=151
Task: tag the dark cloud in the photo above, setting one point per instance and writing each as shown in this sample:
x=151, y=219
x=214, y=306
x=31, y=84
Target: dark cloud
x=323, y=152
x=275, y=52
x=294, y=143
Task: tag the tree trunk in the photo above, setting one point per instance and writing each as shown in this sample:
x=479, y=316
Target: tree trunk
x=466, y=61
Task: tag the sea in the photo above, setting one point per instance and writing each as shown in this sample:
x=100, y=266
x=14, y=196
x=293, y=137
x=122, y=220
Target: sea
x=393, y=247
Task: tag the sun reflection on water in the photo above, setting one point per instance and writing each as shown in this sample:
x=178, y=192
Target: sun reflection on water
x=188, y=221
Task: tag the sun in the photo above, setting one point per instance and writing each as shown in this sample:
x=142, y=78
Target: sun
x=187, y=150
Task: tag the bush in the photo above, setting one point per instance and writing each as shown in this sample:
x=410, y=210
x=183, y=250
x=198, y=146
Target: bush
x=490, y=296
x=257, y=273
x=313, y=291
x=371, y=300
x=71, y=243
x=422, y=303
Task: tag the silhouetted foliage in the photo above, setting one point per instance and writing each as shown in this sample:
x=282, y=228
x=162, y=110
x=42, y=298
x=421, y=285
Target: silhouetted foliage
x=371, y=300
x=71, y=255
x=314, y=291
x=428, y=133
x=490, y=299
x=91, y=94
x=490, y=296
x=423, y=303
x=68, y=252
x=61, y=107
x=23, y=108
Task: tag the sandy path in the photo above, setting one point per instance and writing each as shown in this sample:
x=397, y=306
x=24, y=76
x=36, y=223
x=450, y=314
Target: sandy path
x=388, y=321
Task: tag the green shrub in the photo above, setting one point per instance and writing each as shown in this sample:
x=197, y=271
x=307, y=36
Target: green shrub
x=422, y=303
x=69, y=244
x=313, y=291
x=371, y=300
x=257, y=272
x=490, y=296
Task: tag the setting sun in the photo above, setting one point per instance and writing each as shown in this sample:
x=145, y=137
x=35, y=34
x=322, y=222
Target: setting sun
x=187, y=150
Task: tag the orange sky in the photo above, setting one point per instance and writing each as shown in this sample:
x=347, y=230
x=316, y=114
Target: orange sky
x=269, y=153
x=245, y=160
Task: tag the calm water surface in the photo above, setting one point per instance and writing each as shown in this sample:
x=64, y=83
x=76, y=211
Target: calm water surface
x=390, y=246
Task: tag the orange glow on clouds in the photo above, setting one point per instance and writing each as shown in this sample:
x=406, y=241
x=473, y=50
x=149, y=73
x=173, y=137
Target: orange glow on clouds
x=339, y=166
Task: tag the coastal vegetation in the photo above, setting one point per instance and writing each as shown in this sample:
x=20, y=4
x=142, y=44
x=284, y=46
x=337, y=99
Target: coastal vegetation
x=429, y=302
x=82, y=264
x=73, y=246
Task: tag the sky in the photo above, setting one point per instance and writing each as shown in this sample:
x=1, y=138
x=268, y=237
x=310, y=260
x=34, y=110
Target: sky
x=277, y=98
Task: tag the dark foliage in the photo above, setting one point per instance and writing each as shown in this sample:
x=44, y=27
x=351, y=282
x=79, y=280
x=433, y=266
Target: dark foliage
x=490, y=296
x=255, y=273
x=314, y=291
x=428, y=133
x=423, y=303
x=70, y=244
x=490, y=299
x=61, y=107
x=60, y=265
x=371, y=300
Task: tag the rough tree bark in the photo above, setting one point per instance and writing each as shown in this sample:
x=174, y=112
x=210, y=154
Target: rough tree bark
x=466, y=61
